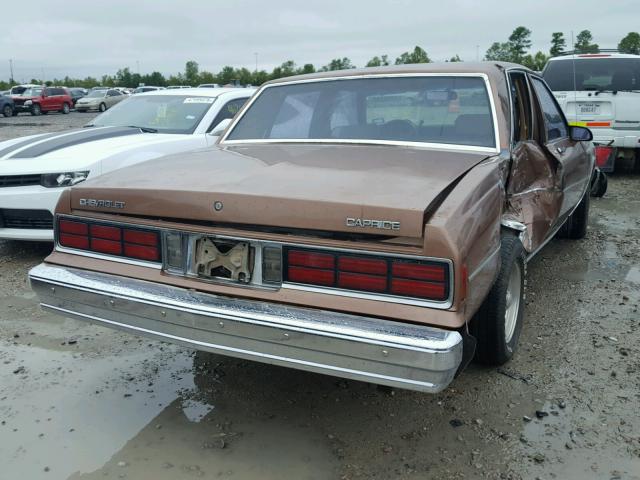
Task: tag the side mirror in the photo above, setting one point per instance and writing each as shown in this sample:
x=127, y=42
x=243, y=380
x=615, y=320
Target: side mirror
x=580, y=134
x=220, y=127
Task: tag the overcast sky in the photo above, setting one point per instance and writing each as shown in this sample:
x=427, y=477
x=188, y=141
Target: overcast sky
x=80, y=38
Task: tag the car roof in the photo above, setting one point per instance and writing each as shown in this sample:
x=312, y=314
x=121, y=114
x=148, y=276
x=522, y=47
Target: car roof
x=593, y=56
x=197, y=92
x=491, y=69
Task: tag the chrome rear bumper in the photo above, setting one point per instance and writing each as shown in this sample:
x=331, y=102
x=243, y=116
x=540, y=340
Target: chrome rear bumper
x=362, y=348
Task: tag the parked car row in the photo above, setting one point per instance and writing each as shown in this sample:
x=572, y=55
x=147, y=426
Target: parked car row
x=373, y=224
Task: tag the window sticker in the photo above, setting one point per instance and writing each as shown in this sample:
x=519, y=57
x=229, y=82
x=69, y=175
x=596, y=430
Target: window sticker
x=199, y=100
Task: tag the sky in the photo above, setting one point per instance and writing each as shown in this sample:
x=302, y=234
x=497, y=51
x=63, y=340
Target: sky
x=81, y=38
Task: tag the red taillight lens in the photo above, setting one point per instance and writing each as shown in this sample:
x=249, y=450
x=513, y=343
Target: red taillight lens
x=106, y=246
x=373, y=266
x=141, y=237
x=143, y=252
x=73, y=241
x=358, y=281
x=106, y=232
x=434, y=273
x=314, y=276
x=109, y=239
x=75, y=228
x=311, y=259
x=602, y=156
x=415, y=288
x=406, y=278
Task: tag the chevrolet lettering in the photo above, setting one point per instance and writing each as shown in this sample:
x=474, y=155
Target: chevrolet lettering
x=92, y=202
x=367, y=223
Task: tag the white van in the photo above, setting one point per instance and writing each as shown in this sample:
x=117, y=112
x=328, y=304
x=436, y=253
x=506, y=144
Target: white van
x=601, y=91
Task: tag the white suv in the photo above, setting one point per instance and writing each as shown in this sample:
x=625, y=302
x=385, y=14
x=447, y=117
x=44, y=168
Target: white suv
x=601, y=91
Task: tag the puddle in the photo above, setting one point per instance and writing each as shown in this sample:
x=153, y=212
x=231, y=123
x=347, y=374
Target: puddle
x=556, y=439
x=139, y=413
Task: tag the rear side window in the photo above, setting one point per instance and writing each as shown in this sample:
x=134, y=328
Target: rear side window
x=593, y=74
x=554, y=122
x=521, y=107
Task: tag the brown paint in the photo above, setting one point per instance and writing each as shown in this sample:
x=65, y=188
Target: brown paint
x=450, y=204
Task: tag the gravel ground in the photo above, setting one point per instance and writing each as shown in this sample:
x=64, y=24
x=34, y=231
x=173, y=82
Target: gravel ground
x=82, y=402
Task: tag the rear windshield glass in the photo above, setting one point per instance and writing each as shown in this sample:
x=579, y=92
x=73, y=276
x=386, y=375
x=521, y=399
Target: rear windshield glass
x=165, y=113
x=433, y=109
x=593, y=74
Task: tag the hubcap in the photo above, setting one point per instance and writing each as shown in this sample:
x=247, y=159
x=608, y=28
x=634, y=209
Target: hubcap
x=513, y=302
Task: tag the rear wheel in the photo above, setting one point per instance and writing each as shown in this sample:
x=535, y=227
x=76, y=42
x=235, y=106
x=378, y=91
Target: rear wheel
x=575, y=227
x=65, y=108
x=102, y=107
x=7, y=111
x=498, y=322
x=35, y=109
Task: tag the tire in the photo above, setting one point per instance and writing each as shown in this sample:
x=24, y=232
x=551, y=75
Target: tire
x=102, y=107
x=65, y=108
x=599, y=187
x=498, y=323
x=7, y=111
x=575, y=227
x=36, y=110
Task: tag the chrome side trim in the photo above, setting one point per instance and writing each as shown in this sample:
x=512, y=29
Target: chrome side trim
x=223, y=139
x=363, y=348
x=484, y=263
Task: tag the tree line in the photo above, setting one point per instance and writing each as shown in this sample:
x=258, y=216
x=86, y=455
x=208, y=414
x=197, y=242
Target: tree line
x=515, y=49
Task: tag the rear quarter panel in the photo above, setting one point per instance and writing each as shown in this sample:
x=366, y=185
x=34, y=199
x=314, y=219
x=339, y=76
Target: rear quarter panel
x=466, y=228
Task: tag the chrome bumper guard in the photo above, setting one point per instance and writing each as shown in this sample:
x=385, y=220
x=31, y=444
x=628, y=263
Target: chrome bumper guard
x=361, y=348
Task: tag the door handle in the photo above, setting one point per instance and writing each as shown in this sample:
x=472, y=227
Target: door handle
x=560, y=149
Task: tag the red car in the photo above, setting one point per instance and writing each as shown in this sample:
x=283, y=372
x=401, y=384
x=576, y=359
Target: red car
x=38, y=100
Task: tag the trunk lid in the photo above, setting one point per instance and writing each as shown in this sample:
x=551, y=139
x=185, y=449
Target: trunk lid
x=343, y=188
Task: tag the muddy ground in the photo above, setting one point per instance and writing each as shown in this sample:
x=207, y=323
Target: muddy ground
x=82, y=402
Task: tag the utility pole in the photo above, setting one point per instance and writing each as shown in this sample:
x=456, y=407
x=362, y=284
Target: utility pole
x=11, y=70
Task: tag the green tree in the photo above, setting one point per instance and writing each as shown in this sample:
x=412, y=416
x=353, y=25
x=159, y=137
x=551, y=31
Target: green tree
x=259, y=77
x=584, y=43
x=419, y=55
x=455, y=58
x=227, y=75
x=499, y=52
x=630, y=43
x=520, y=42
x=306, y=68
x=376, y=61
x=338, y=64
x=535, y=62
x=557, y=44
x=191, y=69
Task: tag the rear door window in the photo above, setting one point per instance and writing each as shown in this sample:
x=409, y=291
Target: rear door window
x=554, y=121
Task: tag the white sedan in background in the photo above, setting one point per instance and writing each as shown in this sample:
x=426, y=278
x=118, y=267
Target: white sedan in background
x=35, y=170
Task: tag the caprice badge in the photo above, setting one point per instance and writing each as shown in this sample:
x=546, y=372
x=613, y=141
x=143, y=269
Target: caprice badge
x=92, y=202
x=368, y=223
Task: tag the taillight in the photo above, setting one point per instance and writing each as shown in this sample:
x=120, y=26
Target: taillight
x=110, y=239
x=602, y=155
x=402, y=277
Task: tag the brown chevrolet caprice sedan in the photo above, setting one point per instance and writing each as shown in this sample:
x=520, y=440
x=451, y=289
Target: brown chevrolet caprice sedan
x=372, y=224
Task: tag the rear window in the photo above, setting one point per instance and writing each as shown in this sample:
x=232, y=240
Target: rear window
x=426, y=109
x=593, y=74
